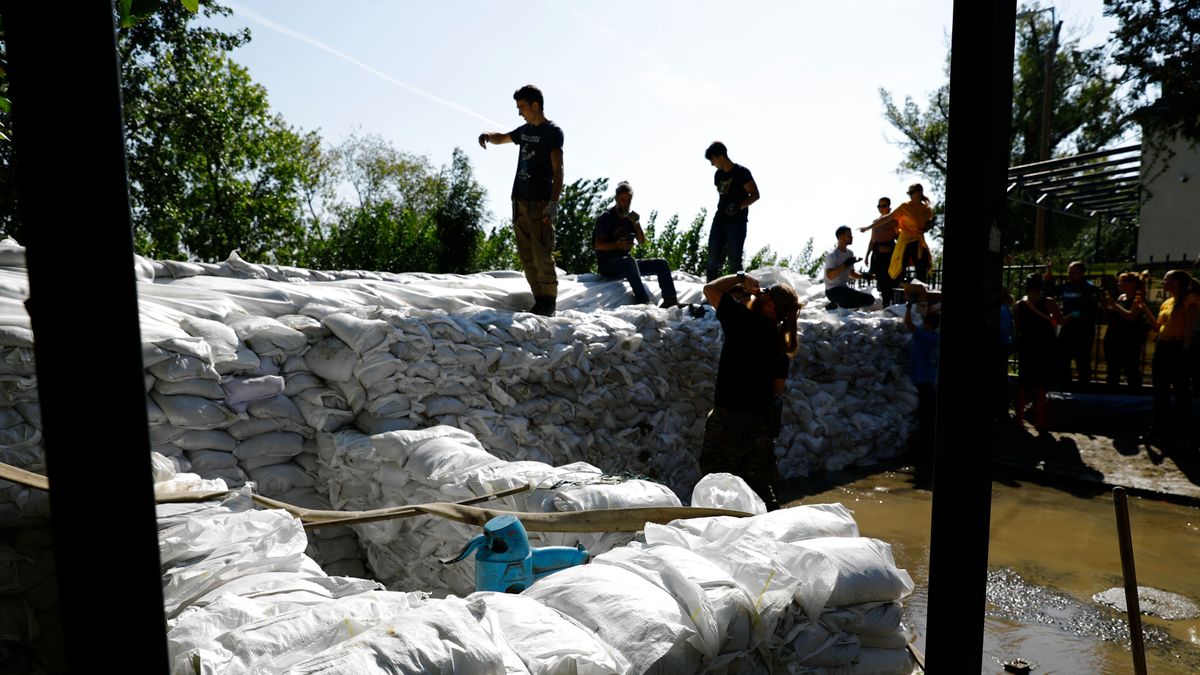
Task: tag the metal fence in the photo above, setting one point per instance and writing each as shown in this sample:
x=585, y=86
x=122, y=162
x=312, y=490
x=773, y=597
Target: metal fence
x=1104, y=276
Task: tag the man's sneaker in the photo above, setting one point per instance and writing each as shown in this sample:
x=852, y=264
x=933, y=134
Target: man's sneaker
x=668, y=304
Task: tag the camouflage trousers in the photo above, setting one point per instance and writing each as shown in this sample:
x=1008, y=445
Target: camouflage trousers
x=742, y=444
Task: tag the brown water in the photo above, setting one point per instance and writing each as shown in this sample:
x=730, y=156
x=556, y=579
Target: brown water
x=1050, y=552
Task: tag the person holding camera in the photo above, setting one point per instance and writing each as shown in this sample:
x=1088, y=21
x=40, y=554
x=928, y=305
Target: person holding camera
x=839, y=270
x=613, y=237
x=736, y=191
x=759, y=326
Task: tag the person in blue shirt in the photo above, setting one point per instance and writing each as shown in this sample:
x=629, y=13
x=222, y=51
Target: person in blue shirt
x=1079, y=300
x=923, y=358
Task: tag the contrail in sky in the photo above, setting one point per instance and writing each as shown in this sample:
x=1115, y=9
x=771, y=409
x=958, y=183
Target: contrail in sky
x=264, y=21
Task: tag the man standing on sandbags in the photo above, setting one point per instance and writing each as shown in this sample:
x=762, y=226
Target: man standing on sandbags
x=759, y=325
x=535, y=194
x=736, y=191
x=612, y=238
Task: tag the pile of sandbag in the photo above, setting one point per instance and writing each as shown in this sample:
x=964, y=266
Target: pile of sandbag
x=246, y=364
x=795, y=590
x=444, y=464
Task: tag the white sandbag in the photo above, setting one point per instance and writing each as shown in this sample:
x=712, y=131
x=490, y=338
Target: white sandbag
x=200, y=555
x=438, y=636
x=266, y=336
x=376, y=367
x=435, y=454
x=220, y=338
x=866, y=570
x=548, y=641
x=161, y=467
x=240, y=391
x=872, y=619
x=323, y=418
x=207, y=439
x=362, y=335
x=279, y=407
x=196, y=386
x=270, y=444
x=332, y=359
x=311, y=327
x=608, y=494
x=722, y=614
x=210, y=460
x=883, y=662
x=726, y=491
x=635, y=618
x=277, y=479
x=234, y=477
x=187, y=482
x=183, y=367
x=193, y=412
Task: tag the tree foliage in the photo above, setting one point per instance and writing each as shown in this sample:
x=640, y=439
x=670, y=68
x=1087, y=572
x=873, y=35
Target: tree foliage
x=1087, y=113
x=1158, y=45
x=211, y=168
x=580, y=204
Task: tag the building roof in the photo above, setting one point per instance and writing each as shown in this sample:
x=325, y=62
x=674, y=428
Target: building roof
x=1091, y=185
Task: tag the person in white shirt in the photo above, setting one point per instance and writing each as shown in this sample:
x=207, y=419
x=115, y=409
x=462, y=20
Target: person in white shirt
x=839, y=270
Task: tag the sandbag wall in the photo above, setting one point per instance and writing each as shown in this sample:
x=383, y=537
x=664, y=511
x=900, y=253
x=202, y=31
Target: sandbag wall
x=247, y=366
x=796, y=590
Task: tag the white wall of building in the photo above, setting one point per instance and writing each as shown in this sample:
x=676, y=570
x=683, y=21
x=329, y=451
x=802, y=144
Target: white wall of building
x=1170, y=213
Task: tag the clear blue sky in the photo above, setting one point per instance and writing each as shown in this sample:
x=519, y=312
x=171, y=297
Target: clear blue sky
x=639, y=88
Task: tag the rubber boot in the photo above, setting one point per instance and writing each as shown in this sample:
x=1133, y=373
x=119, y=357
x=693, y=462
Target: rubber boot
x=543, y=305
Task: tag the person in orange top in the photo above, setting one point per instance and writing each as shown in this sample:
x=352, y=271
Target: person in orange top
x=1176, y=331
x=914, y=218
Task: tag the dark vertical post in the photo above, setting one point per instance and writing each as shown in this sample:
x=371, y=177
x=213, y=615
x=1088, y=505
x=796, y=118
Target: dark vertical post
x=1129, y=573
x=980, y=113
x=73, y=199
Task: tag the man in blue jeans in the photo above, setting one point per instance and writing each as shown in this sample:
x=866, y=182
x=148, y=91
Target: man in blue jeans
x=736, y=191
x=612, y=238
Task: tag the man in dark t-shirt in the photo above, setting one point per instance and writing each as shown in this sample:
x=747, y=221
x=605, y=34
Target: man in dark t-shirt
x=759, y=343
x=536, y=189
x=612, y=239
x=736, y=191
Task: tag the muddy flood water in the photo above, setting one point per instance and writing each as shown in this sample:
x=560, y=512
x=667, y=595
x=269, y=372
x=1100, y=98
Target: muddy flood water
x=1050, y=553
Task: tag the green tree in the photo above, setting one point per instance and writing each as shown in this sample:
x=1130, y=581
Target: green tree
x=498, y=251
x=580, y=204
x=211, y=169
x=381, y=236
x=684, y=250
x=459, y=216
x=1158, y=45
x=1087, y=113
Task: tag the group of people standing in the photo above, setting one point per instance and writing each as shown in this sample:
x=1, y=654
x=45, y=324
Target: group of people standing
x=897, y=244
x=1050, y=337
x=759, y=323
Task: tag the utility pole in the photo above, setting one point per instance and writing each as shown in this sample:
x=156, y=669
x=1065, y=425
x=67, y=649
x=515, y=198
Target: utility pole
x=1039, y=237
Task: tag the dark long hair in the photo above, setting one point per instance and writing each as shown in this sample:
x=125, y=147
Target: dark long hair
x=787, y=307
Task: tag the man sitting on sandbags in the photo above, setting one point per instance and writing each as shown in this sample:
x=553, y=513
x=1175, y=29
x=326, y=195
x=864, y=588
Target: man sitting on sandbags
x=612, y=238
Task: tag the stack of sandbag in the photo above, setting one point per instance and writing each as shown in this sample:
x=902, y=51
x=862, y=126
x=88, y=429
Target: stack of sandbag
x=844, y=615
x=444, y=464
x=241, y=597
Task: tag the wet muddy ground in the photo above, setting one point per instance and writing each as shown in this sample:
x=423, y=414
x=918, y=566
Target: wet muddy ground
x=1051, y=551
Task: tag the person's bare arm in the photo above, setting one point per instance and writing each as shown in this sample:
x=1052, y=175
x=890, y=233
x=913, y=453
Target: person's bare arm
x=493, y=138
x=752, y=195
x=556, y=164
x=716, y=289
x=881, y=221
